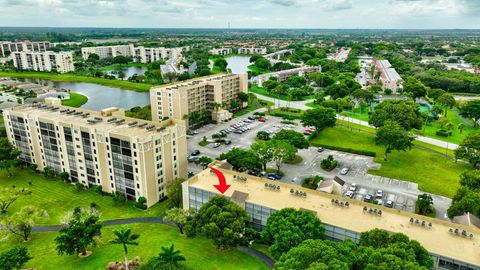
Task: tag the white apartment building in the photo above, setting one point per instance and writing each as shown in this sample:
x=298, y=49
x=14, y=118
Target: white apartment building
x=126, y=155
x=44, y=61
x=221, y=51
x=109, y=51
x=148, y=55
x=252, y=50
x=8, y=47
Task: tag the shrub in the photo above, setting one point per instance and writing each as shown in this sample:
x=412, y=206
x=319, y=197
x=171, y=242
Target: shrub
x=140, y=203
x=98, y=189
x=80, y=187
x=312, y=182
x=444, y=133
x=348, y=150
x=118, y=198
x=93, y=205
x=328, y=164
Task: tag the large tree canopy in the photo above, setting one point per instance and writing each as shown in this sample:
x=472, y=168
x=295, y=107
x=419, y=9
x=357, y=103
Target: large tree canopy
x=469, y=149
x=320, y=118
x=295, y=138
x=405, y=112
x=289, y=227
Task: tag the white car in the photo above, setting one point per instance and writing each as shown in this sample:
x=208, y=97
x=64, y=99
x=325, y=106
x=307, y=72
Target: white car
x=379, y=193
x=344, y=171
x=353, y=187
x=349, y=194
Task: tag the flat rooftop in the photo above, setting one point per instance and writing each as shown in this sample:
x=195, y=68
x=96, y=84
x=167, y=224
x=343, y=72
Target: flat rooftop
x=194, y=81
x=436, y=239
x=121, y=125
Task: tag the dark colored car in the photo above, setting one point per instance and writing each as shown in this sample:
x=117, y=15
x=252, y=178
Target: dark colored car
x=273, y=176
x=368, y=198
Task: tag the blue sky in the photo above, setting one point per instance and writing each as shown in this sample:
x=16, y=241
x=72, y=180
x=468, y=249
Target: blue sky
x=243, y=14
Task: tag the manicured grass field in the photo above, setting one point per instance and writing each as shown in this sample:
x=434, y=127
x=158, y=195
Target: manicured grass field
x=430, y=129
x=57, y=198
x=76, y=100
x=432, y=171
x=252, y=106
x=257, y=69
x=71, y=77
x=200, y=253
x=120, y=66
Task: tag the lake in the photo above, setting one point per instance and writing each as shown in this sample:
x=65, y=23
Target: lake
x=129, y=71
x=238, y=64
x=101, y=97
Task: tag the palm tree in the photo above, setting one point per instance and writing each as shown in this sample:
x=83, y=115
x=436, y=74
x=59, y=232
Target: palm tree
x=171, y=258
x=125, y=237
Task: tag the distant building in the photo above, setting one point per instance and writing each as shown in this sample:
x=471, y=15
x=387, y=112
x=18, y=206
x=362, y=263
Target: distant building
x=109, y=51
x=126, y=155
x=148, y=55
x=8, y=47
x=44, y=61
x=340, y=55
x=221, y=51
x=451, y=246
x=388, y=75
x=284, y=74
x=182, y=99
x=252, y=50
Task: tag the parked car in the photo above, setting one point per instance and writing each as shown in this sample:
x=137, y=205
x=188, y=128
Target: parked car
x=194, y=159
x=389, y=204
x=262, y=119
x=320, y=149
x=195, y=152
x=344, y=171
x=349, y=194
x=227, y=142
x=368, y=198
x=216, y=145
x=379, y=194
x=353, y=187
x=273, y=176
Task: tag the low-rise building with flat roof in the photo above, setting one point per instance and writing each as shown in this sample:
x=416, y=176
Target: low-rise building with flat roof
x=452, y=246
x=285, y=74
x=126, y=155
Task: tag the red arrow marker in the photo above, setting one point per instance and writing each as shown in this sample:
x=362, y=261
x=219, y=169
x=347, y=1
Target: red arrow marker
x=222, y=186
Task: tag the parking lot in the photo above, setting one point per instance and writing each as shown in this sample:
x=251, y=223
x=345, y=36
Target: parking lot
x=402, y=194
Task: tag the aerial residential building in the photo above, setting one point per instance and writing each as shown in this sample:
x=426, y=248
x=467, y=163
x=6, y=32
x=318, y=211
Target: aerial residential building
x=109, y=51
x=8, y=47
x=121, y=154
x=340, y=55
x=148, y=55
x=389, y=77
x=221, y=51
x=284, y=74
x=451, y=245
x=181, y=99
x=44, y=61
x=252, y=50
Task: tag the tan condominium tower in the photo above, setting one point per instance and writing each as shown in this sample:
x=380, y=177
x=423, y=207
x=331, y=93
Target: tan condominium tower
x=125, y=155
x=182, y=100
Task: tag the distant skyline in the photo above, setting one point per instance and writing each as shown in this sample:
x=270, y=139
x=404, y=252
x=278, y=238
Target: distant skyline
x=351, y=14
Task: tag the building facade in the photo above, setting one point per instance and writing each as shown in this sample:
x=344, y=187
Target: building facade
x=252, y=50
x=44, y=61
x=200, y=94
x=452, y=246
x=109, y=51
x=284, y=74
x=125, y=155
x=148, y=55
x=8, y=47
x=221, y=51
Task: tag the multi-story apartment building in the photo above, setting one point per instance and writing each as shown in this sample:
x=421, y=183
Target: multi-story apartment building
x=182, y=99
x=451, y=245
x=221, y=51
x=44, y=61
x=388, y=75
x=252, y=50
x=109, y=51
x=8, y=47
x=121, y=154
x=148, y=55
x=284, y=74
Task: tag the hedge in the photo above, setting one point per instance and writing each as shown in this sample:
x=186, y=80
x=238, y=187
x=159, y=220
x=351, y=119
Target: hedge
x=348, y=150
x=443, y=133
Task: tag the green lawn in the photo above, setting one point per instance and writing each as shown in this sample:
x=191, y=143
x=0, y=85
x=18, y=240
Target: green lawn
x=76, y=100
x=71, y=77
x=120, y=66
x=252, y=106
x=58, y=198
x=430, y=129
x=264, y=92
x=432, y=171
x=286, y=112
x=257, y=69
x=200, y=253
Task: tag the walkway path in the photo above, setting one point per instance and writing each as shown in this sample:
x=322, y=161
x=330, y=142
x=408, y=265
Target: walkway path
x=302, y=106
x=252, y=252
x=468, y=123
